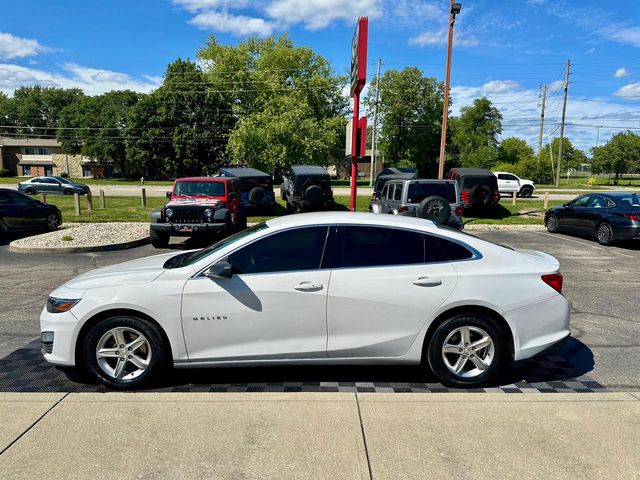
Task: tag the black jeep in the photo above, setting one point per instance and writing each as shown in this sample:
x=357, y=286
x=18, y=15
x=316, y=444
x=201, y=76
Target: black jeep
x=478, y=187
x=256, y=188
x=307, y=186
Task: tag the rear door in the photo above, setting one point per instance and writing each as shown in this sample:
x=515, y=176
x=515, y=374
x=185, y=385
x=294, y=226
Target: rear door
x=386, y=283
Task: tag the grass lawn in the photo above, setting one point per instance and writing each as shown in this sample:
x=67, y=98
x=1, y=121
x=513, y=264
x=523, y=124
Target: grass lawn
x=129, y=209
x=129, y=182
x=582, y=183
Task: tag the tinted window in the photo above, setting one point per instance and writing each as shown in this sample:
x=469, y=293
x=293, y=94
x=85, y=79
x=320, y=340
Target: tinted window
x=375, y=246
x=511, y=177
x=17, y=199
x=470, y=182
x=292, y=250
x=454, y=250
x=4, y=198
x=598, y=202
x=419, y=191
x=214, y=189
x=384, y=191
x=502, y=176
x=433, y=251
x=397, y=195
x=581, y=202
x=631, y=200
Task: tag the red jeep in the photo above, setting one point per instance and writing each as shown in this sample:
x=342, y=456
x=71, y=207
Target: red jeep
x=198, y=206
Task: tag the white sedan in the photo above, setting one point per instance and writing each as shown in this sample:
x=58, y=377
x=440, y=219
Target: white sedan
x=318, y=288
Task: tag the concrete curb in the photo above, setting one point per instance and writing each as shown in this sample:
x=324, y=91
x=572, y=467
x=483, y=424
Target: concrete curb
x=93, y=248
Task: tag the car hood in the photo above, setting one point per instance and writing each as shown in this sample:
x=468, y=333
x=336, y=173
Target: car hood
x=141, y=270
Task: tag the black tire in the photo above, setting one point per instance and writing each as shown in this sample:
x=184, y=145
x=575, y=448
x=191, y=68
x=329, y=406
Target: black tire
x=155, y=351
x=68, y=191
x=313, y=195
x=159, y=239
x=604, y=234
x=526, y=192
x=552, y=223
x=257, y=196
x=30, y=191
x=434, y=208
x=53, y=222
x=471, y=375
x=480, y=196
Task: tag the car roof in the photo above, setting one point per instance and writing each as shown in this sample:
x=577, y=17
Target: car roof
x=615, y=194
x=205, y=179
x=244, y=172
x=318, y=218
x=472, y=172
x=309, y=170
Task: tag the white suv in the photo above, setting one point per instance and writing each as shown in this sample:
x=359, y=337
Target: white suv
x=509, y=183
x=320, y=288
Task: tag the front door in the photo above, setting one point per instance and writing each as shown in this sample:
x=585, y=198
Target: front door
x=274, y=305
x=386, y=285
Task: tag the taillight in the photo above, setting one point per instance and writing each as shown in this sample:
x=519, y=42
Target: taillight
x=459, y=211
x=403, y=209
x=554, y=280
x=465, y=197
x=633, y=217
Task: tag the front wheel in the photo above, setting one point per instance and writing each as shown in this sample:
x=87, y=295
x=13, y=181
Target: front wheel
x=466, y=350
x=68, y=191
x=53, y=222
x=158, y=239
x=552, y=223
x=604, y=234
x=124, y=352
x=526, y=192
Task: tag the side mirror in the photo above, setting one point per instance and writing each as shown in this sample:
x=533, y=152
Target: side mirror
x=219, y=270
x=168, y=194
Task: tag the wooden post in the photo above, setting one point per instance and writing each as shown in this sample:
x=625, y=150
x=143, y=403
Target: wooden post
x=514, y=195
x=76, y=201
x=144, y=197
x=89, y=202
x=546, y=200
x=43, y=197
x=102, y=202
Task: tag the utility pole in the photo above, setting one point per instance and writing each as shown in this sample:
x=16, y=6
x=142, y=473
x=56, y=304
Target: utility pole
x=564, y=113
x=598, y=137
x=544, y=99
x=374, y=133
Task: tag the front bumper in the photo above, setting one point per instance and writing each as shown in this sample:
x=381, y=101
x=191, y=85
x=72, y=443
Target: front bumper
x=64, y=328
x=188, y=229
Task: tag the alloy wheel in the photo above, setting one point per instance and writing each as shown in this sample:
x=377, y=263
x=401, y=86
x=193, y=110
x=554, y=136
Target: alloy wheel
x=52, y=222
x=123, y=353
x=552, y=223
x=468, y=351
x=604, y=234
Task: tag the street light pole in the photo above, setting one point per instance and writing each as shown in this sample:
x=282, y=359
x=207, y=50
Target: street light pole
x=454, y=10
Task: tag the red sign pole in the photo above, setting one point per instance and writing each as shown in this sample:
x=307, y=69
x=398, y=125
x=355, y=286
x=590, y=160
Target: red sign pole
x=358, y=80
x=355, y=147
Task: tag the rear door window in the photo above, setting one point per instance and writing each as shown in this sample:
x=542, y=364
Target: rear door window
x=397, y=194
x=368, y=246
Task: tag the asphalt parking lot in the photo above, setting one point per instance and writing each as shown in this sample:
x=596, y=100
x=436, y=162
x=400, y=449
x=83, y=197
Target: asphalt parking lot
x=601, y=283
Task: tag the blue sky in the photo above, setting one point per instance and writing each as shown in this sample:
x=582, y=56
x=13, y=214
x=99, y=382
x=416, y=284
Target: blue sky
x=503, y=49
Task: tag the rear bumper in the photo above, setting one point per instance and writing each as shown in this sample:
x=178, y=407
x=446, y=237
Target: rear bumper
x=188, y=229
x=626, y=233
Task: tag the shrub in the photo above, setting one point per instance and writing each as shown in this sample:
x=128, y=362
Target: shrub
x=5, y=172
x=64, y=175
x=67, y=238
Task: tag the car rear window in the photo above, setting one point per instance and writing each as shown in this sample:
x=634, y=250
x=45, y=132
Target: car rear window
x=631, y=200
x=454, y=250
x=419, y=191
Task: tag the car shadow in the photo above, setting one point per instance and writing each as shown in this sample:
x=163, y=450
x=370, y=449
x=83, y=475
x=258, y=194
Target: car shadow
x=633, y=245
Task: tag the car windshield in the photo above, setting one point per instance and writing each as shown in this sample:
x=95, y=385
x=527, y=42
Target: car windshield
x=204, y=189
x=189, y=258
x=419, y=191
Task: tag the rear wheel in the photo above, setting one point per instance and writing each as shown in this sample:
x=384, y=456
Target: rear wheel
x=466, y=350
x=604, y=234
x=159, y=239
x=124, y=352
x=30, y=191
x=53, y=222
x=68, y=191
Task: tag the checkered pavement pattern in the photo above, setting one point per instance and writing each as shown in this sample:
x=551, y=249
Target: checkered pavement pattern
x=562, y=370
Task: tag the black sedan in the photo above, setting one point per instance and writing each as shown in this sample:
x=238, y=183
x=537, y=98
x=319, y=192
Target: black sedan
x=18, y=212
x=607, y=216
x=52, y=185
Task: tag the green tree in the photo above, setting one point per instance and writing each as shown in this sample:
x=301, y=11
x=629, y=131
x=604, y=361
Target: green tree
x=95, y=127
x=7, y=119
x=619, y=155
x=475, y=134
x=410, y=115
x=513, y=149
x=572, y=157
x=181, y=128
x=288, y=103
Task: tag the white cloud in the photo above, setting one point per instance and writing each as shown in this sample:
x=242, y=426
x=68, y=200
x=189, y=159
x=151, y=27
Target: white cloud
x=234, y=24
x=16, y=47
x=622, y=34
x=440, y=37
x=318, y=14
x=590, y=51
x=203, y=5
x=500, y=86
x=621, y=72
x=631, y=90
x=91, y=80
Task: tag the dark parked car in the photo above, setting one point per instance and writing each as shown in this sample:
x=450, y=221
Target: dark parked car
x=256, y=188
x=307, y=186
x=52, y=185
x=607, y=216
x=478, y=187
x=19, y=212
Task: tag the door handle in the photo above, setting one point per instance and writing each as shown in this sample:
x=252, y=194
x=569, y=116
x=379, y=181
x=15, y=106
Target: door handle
x=427, y=282
x=308, y=287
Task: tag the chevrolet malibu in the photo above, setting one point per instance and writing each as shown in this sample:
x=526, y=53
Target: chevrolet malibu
x=318, y=288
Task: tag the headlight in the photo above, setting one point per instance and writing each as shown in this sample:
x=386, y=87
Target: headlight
x=59, y=305
x=168, y=212
x=208, y=212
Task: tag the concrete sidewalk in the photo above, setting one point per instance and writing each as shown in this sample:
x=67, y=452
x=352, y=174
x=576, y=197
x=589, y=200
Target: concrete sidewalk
x=319, y=435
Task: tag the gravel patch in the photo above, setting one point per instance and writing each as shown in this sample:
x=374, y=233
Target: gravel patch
x=496, y=227
x=86, y=236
